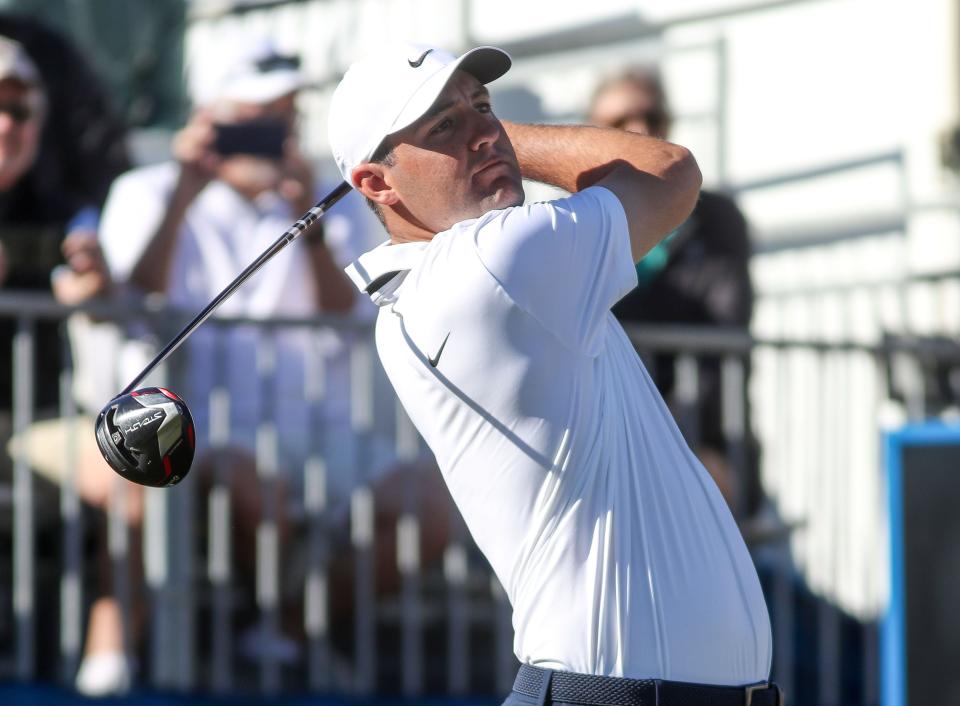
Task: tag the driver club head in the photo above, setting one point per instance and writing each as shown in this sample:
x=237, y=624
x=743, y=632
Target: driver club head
x=147, y=436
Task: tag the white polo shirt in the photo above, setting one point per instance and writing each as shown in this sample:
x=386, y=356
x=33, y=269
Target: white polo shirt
x=614, y=545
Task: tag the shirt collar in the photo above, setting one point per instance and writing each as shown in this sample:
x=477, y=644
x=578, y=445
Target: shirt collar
x=379, y=272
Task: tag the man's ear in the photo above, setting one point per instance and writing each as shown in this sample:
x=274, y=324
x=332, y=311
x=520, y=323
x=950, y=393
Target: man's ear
x=370, y=180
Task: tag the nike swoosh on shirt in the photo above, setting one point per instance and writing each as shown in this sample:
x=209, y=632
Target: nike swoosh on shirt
x=416, y=64
x=436, y=359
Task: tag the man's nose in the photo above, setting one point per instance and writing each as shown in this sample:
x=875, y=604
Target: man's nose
x=7, y=123
x=486, y=130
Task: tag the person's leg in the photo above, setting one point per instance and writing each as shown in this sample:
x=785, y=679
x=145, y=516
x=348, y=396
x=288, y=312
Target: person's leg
x=105, y=668
x=433, y=508
x=251, y=500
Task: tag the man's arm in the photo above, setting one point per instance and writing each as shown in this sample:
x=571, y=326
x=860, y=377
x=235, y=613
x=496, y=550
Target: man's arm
x=335, y=292
x=198, y=163
x=656, y=182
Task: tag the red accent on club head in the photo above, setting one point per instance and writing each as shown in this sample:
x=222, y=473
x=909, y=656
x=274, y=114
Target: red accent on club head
x=190, y=438
x=169, y=394
x=135, y=393
x=168, y=469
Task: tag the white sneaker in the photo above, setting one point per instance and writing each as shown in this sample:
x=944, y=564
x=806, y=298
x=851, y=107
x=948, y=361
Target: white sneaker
x=104, y=674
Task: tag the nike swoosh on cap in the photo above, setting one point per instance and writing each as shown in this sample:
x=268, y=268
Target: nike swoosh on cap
x=416, y=64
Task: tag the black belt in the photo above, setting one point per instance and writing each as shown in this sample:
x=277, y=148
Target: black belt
x=617, y=691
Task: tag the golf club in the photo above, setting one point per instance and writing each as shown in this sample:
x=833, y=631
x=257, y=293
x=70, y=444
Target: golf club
x=147, y=435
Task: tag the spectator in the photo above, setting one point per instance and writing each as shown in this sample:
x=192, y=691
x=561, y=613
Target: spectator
x=36, y=210
x=83, y=146
x=698, y=276
x=46, y=224
x=184, y=229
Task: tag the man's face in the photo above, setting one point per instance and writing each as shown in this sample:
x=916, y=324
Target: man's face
x=20, y=127
x=456, y=162
x=630, y=106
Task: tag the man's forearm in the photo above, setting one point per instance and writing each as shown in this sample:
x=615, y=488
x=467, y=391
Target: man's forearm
x=335, y=292
x=656, y=182
x=152, y=271
x=574, y=157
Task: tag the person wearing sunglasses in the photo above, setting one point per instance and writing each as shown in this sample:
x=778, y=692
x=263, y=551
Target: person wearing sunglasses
x=697, y=276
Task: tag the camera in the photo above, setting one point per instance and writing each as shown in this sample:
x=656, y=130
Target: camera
x=260, y=138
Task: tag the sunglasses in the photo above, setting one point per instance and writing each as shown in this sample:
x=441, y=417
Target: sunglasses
x=278, y=62
x=18, y=112
x=655, y=120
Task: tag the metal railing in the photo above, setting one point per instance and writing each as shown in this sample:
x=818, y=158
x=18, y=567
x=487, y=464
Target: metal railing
x=188, y=597
x=446, y=629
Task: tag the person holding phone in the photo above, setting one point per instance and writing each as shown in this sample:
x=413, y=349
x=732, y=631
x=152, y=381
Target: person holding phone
x=184, y=229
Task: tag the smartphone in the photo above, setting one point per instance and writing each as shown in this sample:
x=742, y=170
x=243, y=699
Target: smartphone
x=261, y=138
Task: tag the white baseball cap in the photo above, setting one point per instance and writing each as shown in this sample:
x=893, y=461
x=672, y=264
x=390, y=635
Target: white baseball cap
x=251, y=70
x=390, y=90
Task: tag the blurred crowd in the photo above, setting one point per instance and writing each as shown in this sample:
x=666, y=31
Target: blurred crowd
x=78, y=220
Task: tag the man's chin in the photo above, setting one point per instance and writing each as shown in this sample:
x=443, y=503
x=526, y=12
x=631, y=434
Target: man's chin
x=507, y=196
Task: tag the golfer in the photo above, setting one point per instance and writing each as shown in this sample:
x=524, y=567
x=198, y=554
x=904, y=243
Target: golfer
x=629, y=581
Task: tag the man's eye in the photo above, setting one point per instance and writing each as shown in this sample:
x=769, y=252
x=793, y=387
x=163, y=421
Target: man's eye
x=484, y=107
x=441, y=126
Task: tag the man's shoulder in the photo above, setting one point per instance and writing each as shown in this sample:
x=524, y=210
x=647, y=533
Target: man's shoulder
x=160, y=176
x=538, y=214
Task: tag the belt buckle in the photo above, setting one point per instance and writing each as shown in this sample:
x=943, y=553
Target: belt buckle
x=761, y=686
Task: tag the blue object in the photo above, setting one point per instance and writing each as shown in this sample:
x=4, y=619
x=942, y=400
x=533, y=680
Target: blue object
x=893, y=635
x=654, y=261
x=87, y=218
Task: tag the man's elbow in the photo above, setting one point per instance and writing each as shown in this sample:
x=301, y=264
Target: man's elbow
x=684, y=179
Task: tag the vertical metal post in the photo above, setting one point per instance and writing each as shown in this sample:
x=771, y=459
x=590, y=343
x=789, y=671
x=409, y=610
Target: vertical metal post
x=71, y=596
x=828, y=652
x=784, y=627
x=182, y=531
x=902, y=291
x=734, y=420
x=24, y=544
x=268, y=541
x=158, y=557
x=118, y=551
x=687, y=393
x=458, y=630
x=782, y=598
x=723, y=111
x=156, y=553
x=118, y=556
x=219, y=547
x=408, y=560
x=409, y=564
x=871, y=663
x=316, y=591
x=362, y=516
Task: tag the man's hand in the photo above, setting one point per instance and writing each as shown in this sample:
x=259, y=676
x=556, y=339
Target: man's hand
x=85, y=275
x=296, y=179
x=193, y=149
